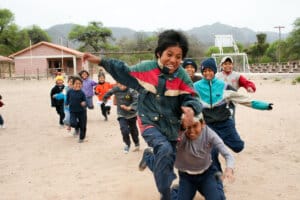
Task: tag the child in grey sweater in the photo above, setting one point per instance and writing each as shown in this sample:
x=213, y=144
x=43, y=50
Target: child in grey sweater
x=194, y=163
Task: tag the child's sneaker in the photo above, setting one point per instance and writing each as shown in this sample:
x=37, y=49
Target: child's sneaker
x=136, y=148
x=126, y=149
x=80, y=140
x=2, y=126
x=76, y=133
x=143, y=164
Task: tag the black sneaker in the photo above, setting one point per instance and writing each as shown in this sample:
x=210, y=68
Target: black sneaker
x=143, y=164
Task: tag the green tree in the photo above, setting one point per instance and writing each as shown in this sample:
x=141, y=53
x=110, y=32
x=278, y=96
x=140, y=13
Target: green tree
x=257, y=50
x=36, y=35
x=292, y=50
x=93, y=37
x=12, y=39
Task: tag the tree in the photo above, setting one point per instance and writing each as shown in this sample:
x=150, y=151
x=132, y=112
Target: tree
x=36, y=35
x=6, y=18
x=11, y=38
x=293, y=42
x=94, y=37
x=258, y=50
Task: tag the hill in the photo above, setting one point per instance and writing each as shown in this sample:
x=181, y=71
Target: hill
x=205, y=34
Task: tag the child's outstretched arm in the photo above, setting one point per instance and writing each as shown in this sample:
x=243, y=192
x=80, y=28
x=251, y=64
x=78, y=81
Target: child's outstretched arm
x=247, y=100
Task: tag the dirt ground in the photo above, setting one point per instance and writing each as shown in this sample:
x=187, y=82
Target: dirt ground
x=39, y=160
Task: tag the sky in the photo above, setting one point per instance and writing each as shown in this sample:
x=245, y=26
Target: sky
x=153, y=15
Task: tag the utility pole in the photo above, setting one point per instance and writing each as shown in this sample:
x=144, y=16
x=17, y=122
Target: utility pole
x=279, y=35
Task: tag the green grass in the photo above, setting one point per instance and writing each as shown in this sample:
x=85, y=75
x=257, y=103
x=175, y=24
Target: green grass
x=277, y=79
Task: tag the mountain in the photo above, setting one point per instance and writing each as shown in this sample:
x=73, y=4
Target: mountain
x=205, y=34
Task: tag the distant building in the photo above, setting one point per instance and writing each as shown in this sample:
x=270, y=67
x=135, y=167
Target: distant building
x=6, y=67
x=45, y=59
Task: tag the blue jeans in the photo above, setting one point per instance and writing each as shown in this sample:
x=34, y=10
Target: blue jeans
x=67, y=118
x=89, y=102
x=206, y=183
x=161, y=162
x=228, y=133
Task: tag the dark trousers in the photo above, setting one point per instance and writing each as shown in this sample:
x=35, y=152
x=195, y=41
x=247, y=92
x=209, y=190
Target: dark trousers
x=228, y=133
x=105, y=110
x=61, y=113
x=1, y=120
x=129, y=127
x=207, y=184
x=78, y=120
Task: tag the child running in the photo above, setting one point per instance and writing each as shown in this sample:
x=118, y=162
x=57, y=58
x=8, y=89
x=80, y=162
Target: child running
x=233, y=78
x=165, y=93
x=127, y=100
x=88, y=88
x=193, y=161
x=100, y=90
x=76, y=101
x=63, y=96
x=215, y=96
x=58, y=104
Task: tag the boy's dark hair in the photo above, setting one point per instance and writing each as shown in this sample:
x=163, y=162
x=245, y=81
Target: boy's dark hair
x=70, y=78
x=101, y=74
x=76, y=78
x=171, y=38
x=83, y=71
x=0, y=97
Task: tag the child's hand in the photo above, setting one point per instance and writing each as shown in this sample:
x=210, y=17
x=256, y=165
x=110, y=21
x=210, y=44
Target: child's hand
x=250, y=90
x=270, y=106
x=228, y=175
x=83, y=103
x=53, y=96
x=187, y=117
x=91, y=58
x=127, y=108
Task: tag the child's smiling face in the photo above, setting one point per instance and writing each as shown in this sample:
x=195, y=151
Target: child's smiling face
x=208, y=74
x=77, y=85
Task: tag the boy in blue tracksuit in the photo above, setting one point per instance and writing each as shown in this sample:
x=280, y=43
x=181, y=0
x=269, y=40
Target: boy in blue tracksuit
x=76, y=100
x=215, y=96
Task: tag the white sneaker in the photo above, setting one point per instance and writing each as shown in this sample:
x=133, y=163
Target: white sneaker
x=2, y=127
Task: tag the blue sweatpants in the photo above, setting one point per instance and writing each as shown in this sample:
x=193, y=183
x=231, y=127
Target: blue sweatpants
x=227, y=131
x=161, y=162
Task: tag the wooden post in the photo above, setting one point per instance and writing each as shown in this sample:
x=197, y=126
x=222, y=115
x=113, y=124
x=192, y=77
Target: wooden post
x=38, y=75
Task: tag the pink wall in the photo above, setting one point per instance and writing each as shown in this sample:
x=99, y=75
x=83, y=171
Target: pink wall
x=23, y=65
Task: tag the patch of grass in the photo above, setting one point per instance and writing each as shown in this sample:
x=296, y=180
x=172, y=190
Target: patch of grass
x=277, y=79
x=294, y=82
x=297, y=79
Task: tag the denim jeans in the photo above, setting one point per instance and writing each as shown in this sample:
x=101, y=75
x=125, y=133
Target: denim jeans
x=129, y=127
x=67, y=118
x=89, y=102
x=206, y=183
x=228, y=133
x=161, y=162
